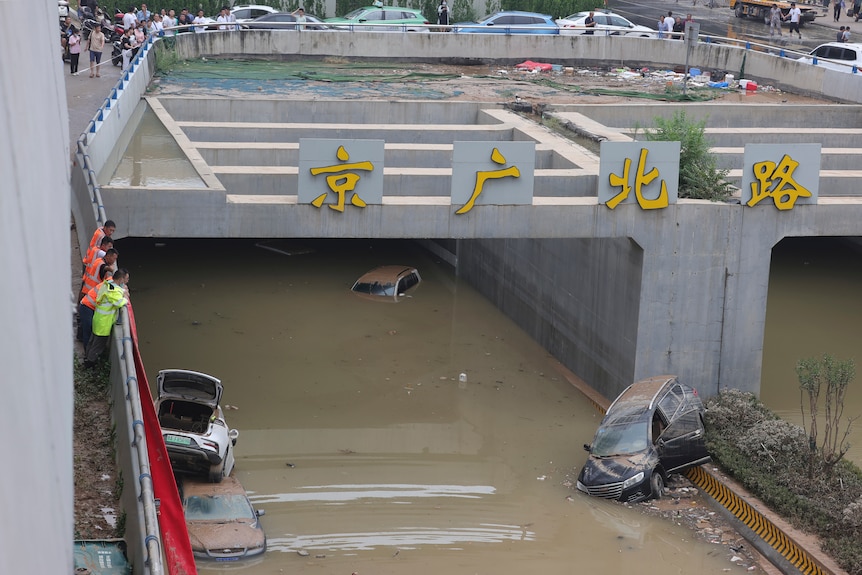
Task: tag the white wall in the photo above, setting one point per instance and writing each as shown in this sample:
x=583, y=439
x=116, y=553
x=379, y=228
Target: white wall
x=36, y=485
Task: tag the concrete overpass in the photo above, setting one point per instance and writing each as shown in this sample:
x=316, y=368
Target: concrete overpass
x=614, y=294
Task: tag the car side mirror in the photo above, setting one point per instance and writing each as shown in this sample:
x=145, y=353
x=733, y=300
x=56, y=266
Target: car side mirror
x=260, y=512
x=234, y=435
x=587, y=447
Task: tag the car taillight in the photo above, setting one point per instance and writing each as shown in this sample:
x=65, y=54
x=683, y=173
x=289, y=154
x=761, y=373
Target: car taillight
x=211, y=444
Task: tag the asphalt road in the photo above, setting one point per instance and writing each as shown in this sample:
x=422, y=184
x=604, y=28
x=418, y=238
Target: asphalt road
x=721, y=21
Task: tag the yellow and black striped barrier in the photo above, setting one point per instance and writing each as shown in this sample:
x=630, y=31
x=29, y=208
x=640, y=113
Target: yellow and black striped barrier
x=754, y=520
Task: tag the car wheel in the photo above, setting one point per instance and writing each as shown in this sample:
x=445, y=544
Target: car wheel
x=738, y=10
x=217, y=472
x=656, y=483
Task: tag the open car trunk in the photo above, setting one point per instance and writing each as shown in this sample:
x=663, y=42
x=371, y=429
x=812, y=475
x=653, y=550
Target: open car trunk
x=184, y=415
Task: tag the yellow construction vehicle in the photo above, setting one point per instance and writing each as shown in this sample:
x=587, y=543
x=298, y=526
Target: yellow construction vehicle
x=760, y=9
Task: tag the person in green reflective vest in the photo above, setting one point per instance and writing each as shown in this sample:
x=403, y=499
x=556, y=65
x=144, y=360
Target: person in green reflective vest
x=113, y=294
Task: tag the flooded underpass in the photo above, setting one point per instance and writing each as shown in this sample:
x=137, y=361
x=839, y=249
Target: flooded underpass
x=359, y=436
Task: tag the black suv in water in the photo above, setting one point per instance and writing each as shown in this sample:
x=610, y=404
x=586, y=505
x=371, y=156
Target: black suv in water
x=654, y=428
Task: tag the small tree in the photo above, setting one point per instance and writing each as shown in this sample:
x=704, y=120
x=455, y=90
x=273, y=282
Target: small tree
x=831, y=378
x=700, y=177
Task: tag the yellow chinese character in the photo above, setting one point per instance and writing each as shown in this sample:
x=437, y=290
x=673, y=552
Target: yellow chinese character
x=776, y=180
x=641, y=180
x=341, y=181
x=482, y=177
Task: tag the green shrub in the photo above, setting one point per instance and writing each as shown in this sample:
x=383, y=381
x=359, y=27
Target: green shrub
x=700, y=178
x=769, y=457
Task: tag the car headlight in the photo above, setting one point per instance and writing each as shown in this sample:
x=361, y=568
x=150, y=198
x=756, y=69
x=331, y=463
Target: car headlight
x=582, y=487
x=633, y=480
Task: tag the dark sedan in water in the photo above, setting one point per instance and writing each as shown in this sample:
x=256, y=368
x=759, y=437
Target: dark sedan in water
x=654, y=428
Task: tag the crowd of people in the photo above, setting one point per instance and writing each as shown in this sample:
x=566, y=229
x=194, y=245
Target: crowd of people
x=672, y=27
x=104, y=291
x=137, y=25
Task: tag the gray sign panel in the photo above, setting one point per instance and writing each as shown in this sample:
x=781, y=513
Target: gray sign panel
x=645, y=173
x=340, y=173
x=492, y=173
x=780, y=175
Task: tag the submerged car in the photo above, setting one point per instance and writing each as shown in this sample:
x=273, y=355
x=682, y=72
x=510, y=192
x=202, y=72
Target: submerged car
x=387, y=18
x=388, y=283
x=607, y=24
x=654, y=428
x=512, y=22
x=196, y=435
x=222, y=523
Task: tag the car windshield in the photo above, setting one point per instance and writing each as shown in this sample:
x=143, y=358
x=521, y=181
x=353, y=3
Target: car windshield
x=354, y=15
x=218, y=508
x=620, y=439
x=375, y=288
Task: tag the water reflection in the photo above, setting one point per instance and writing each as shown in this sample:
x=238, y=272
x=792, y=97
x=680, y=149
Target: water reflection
x=354, y=492
x=358, y=438
x=813, y=308
x=403, y=539
x=153, y=158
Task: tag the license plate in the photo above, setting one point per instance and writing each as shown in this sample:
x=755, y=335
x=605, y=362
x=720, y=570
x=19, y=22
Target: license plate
x=178, y=440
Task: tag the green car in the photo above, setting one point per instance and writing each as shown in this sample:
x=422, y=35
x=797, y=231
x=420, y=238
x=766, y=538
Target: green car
x=385, y=19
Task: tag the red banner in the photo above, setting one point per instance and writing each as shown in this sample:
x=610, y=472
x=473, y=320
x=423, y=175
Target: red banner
x=175, y=536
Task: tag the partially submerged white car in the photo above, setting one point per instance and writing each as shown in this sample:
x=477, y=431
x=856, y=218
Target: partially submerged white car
x=196, y=435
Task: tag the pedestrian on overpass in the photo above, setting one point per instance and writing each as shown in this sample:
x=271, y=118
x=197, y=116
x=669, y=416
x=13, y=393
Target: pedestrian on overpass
x=775, y=21
x=837, y=8
x=590, y=22
x=794, y=15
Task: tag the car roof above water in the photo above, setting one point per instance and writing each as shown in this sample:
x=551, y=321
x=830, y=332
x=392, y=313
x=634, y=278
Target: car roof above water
x=641, y=393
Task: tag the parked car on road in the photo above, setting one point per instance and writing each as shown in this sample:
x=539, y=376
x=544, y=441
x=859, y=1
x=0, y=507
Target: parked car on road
x=387, y=283
x=652, y=429
x=512, y=22
x=387, y=18
x=284, y=21
x=222, y=523
x=607, y=24
x=841, y=56
x=246, y=12
x=196, y=435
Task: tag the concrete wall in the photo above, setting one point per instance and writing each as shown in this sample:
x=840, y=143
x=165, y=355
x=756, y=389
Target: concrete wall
x=36, y=486
x=127, y=458
x=699, y=269
x=578, y=298
x=567, y=50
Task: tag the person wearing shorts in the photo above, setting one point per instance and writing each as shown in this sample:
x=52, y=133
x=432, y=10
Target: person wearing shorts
x=97, y=44
x=795, y=14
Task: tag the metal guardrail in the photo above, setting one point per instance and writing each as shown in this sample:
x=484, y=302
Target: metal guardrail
x=151, y=542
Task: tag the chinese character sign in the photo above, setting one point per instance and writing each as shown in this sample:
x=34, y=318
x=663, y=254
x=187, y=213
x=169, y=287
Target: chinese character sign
x=780, y=175
x=492, y=173
x=643, y=173
x=340, y=174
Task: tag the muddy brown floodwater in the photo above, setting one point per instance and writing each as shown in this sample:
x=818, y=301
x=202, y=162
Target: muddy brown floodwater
x=360, y=439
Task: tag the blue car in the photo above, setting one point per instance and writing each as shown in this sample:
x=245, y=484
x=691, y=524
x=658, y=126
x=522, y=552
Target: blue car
x=512, y=22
